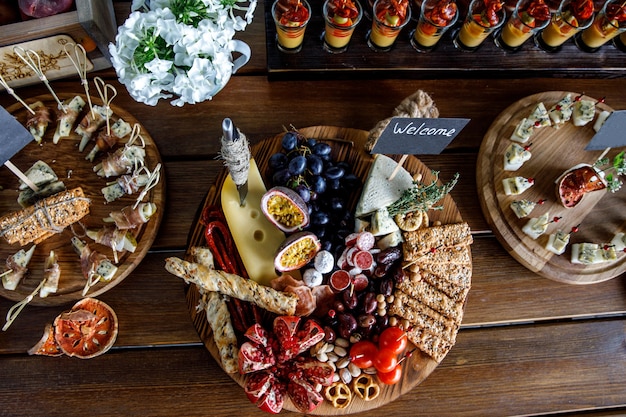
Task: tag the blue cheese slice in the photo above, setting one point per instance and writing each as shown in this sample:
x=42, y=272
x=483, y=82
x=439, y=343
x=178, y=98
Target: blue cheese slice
x=523, y=131
x=537, y=226
x=584, y=112
x=557, y=242
x=516, y=185
x=40, y=174
x=592, y=253
x=378, y=191
x=561, y=112
x=539, y=116
x=10, y=279
x=382, y=223
x=67, y=120
x=522, y=208
x=515, y=156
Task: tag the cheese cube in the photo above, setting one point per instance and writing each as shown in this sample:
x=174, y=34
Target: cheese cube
x=516, y=185
x=557, y=242
x=522, y=208
x=536, y=226
x=539, y=116
x=515, y=156
x=584, y=112
x=561, y=112
x=523, y=131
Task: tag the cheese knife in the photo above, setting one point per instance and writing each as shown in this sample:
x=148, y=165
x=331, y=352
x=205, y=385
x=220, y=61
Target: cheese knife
x=236, y=154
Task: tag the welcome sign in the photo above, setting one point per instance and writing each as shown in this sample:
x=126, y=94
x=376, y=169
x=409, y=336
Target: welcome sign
x=417, y=136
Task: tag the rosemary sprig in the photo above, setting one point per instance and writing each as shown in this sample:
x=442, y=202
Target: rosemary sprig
x=618, y=167
x=422, y=197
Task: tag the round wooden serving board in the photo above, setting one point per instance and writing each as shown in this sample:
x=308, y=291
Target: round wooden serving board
x=348, y=145
x=600, y=214
x=74, y=170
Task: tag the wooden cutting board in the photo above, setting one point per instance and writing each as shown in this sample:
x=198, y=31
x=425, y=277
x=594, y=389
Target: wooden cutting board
x=599, y=215
x=71, y=167
x=347, y=146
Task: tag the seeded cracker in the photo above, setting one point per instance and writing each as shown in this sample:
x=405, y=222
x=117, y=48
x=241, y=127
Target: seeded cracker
x=422, y=241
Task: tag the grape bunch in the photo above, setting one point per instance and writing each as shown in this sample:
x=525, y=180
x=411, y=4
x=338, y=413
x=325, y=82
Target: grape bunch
x=306, y=166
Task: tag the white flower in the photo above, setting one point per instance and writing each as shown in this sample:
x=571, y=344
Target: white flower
x=178, y=47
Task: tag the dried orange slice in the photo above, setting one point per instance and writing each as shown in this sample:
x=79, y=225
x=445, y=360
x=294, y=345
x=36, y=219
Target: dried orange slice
x=89, y=329
x=47, y=345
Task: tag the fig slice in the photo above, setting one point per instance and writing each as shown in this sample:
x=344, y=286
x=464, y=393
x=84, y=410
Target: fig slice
x=284, y=208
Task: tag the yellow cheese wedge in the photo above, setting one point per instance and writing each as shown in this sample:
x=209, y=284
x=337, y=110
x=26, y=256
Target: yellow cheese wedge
x=257, y=239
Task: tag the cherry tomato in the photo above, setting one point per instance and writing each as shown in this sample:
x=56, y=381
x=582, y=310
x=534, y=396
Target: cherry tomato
x=363, y=353
x=393, y=338
x=392, y=377
x=386, y=360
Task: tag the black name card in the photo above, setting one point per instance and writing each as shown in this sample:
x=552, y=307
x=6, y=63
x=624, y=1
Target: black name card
x=415, y=136
x=13, y=136
x=611, y=133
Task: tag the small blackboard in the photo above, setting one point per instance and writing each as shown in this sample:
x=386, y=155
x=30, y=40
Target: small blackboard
x=611, y=134
x=13, y=136
x=415, y=136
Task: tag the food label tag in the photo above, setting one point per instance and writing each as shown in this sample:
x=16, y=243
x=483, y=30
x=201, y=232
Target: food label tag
x=13, y=136
x=611, y=134
x=415, y=136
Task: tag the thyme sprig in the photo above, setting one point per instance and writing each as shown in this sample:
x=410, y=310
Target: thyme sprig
x=612, y=171
x=422, y=197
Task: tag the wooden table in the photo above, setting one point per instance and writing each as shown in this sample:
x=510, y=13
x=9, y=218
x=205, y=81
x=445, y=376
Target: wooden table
x=527, y=346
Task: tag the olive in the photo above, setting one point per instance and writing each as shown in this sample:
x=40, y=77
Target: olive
x=347, y=324
x=367, y=321
x=370, y=303
x=330, y=335
x=386, y=286
x=350, y=299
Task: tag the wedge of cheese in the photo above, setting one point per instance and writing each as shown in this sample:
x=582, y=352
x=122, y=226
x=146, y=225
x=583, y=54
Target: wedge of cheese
x=584, y=111
x=522, y=208
x=537, y=226
x=257, y=239
x=515, y=156
x=539, y=116
x=523, y=131
x=561, y=112
x=619, y=242
x=382, y=223
x=557, y=242
x=378, y=190
x=604, y=114
x=516, y=185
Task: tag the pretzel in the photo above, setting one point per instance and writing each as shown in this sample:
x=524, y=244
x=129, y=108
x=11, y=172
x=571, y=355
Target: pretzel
x=365, y=387
x=338, y=394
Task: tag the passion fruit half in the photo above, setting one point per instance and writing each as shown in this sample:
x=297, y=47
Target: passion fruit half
x=285, y=209
x=296, y=251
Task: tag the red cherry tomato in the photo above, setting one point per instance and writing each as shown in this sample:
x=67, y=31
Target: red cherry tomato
x=386, y=360
x=363, y=353
x=393, y=338
x=392, y=377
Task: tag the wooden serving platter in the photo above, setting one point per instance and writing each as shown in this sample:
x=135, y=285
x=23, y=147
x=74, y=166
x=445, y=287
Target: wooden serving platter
x=71, y=167
x=599, y=215
x=348, y=145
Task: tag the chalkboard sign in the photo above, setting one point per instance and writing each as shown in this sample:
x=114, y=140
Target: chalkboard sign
x=416, y=136
x=611, y=134
x=13, y=136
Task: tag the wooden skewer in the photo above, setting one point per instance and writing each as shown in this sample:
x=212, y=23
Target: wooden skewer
x=12, y=92
x=103, y=91
x=29, y=57
x=21, y=176
x=397, y=168
x=79, y=60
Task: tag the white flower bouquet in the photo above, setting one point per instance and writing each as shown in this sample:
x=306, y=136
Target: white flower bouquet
x=181, y=48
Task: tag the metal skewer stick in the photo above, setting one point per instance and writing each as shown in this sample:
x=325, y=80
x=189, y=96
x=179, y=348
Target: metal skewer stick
x=12, y=92
x=103, y=91
x=79, y=60
x=29, y=57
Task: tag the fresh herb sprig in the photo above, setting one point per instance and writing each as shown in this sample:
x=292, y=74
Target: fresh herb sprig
x=422, y=197
x=612, y=171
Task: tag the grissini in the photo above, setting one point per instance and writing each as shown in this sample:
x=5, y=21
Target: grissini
x=233, y=286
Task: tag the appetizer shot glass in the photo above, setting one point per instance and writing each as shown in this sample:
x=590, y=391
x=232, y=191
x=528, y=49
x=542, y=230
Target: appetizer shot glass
x=571, y=17
x=291, y=18
x=528, y=18
x=608, y=23
x=435, y=18
x=389, y=17
x=483, y=18
x=340, y=17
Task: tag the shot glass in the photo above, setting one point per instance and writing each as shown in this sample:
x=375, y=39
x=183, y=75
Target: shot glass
x=340, y=17
x=528, y=18
x=608, y=23
x=291, y=22
x=388, y=19
x=435, y=18
x=483, y=19
x=571, y=17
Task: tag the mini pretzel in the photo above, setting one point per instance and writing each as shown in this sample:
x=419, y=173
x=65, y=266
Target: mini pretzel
x=365, y=387
x=338, y=394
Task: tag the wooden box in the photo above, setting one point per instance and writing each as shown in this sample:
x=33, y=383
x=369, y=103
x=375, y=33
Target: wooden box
x=92, y=24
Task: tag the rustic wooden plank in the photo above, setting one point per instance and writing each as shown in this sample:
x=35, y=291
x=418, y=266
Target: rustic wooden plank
x=490, y=372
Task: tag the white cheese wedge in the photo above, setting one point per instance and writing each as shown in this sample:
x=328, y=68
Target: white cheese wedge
x=522, y=208
x=40, y=174
x=65, y=123
x=516, y=185
x=523, y=131
x=539, y=116
x=257, y=239
x=378, y=191
x=584, y=253
x=557, y=242
x=561, y=112
x=619, y=242
x=21, y=258
x=584, y=112
x=536, y=226
x=121, y=128
x=382, y=223
x=391, y=240
x=515, y=156
x=604, y=114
